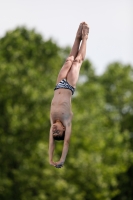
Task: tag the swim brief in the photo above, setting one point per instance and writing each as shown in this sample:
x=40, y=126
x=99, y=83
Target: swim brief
x=64, y=84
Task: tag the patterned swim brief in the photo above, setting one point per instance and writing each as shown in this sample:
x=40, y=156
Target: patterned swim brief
x=64, y=84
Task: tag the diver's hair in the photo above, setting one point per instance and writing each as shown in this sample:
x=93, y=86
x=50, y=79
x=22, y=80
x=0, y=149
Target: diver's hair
x=57, y=137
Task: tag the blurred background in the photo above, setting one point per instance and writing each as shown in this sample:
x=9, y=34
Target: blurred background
x=35, y=39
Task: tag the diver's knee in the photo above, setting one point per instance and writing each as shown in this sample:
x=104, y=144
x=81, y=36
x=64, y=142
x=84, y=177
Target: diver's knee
x=78, y=59
x=70, y=59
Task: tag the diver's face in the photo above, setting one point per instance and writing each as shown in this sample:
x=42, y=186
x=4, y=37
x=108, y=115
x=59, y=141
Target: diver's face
x=58, y=128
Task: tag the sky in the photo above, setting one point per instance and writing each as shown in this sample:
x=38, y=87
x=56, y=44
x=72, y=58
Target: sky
x=110, y=21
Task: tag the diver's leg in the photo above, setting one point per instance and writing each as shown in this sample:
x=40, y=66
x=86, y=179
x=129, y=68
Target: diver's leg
x=74, y=51
x=73, y=74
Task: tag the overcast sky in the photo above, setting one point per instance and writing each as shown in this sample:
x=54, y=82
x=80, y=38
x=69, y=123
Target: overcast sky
x=110, y=21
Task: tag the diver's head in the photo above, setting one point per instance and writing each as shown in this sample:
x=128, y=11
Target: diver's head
x=58, y=130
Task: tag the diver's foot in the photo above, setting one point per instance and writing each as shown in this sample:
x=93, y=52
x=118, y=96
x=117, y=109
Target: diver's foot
x=79, y=31
x=85, y=31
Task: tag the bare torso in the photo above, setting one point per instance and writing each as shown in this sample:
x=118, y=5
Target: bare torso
x=61, y=106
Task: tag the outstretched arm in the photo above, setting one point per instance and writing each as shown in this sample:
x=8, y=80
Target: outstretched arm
x=51, y=148
x=65, y=147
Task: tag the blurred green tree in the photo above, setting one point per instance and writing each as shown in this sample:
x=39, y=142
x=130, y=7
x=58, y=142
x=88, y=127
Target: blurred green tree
x=118, y=84
x=98, y=153
x=28, y=68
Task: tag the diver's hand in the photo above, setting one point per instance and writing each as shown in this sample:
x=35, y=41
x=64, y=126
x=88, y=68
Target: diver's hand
x=52, y=163
x=59, y=164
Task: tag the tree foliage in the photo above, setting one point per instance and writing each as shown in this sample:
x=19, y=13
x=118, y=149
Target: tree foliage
x=99, y=164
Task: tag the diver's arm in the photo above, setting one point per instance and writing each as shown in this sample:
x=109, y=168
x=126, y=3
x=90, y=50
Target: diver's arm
x=65, y=147
x=51, y=148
